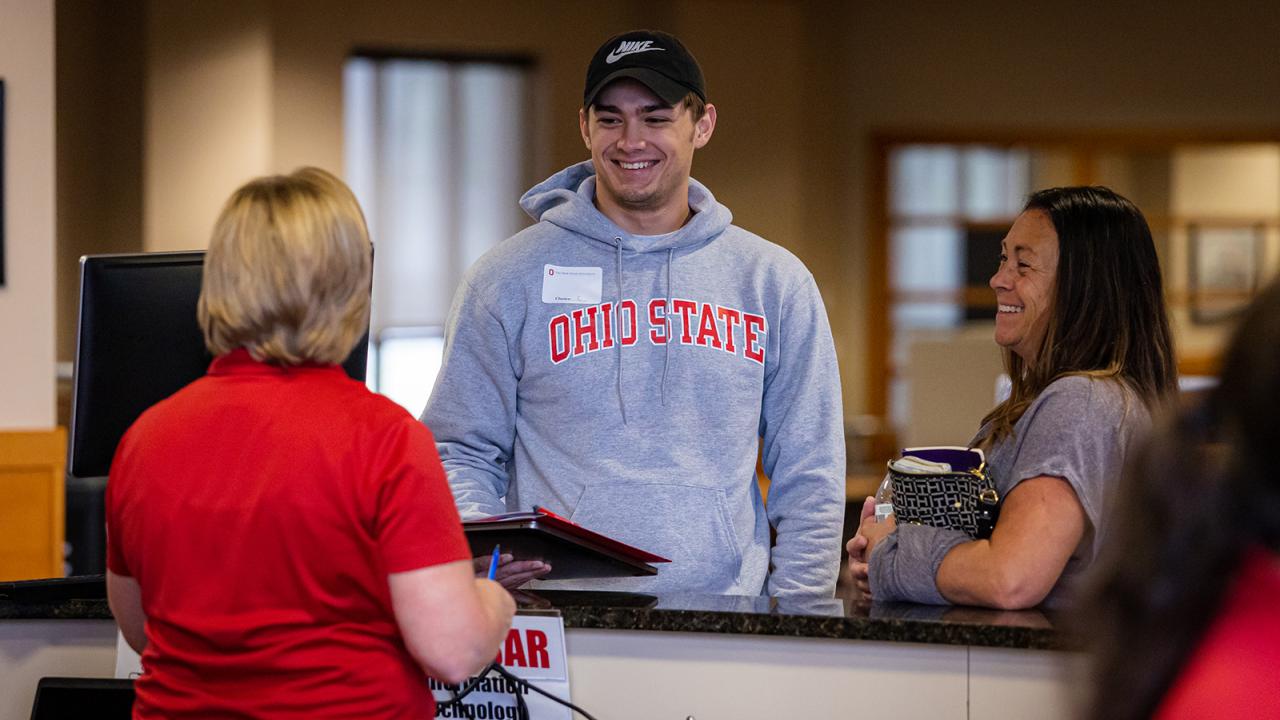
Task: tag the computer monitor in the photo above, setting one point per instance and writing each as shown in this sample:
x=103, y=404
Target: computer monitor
x=138, y=342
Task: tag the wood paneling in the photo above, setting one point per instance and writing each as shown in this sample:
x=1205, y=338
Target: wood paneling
x=32, y=497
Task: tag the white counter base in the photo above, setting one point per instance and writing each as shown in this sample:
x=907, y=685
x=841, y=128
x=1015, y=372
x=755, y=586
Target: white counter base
x=646, y=675
x=32, y=649
x=638, y=675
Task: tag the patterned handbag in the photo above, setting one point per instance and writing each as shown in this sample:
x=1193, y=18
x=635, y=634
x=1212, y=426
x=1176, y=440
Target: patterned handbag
x=951, y=488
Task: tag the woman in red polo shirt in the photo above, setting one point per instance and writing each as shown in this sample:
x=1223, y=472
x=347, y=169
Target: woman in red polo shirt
x=281, y=541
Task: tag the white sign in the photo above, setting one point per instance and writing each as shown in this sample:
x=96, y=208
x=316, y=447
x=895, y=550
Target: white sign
x=576, y=285
x=534, y=652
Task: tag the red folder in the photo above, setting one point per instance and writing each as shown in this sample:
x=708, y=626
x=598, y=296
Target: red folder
x=572, y=550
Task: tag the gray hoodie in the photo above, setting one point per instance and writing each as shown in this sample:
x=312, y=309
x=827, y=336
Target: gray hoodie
x=626, y=382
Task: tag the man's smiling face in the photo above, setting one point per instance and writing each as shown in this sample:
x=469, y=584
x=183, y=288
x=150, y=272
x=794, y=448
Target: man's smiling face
x=642, y=148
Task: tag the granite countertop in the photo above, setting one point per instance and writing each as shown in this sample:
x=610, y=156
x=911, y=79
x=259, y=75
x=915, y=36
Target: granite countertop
x=833, y=618
x=84, y=598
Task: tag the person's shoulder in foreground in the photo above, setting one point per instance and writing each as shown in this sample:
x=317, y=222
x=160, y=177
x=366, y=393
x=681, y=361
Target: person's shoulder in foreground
x=1181, y=616
x=1232, y=674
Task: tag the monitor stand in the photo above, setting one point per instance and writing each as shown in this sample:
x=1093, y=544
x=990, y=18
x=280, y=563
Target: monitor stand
x=86, y=548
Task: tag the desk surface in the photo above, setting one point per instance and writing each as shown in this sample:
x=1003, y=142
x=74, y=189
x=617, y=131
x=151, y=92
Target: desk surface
x=831, y=618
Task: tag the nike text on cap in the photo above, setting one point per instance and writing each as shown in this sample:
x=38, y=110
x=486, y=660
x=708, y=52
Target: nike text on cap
x=656, y=59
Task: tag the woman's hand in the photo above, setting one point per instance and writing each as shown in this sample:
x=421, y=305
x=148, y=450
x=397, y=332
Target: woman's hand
x=511, y=574
x=860, y=546
x=874, y=531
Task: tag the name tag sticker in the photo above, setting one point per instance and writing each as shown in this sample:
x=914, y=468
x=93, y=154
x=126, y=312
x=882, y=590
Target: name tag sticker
x=573, y=285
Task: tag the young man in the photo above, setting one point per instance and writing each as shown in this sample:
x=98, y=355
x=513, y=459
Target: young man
x=622, y=361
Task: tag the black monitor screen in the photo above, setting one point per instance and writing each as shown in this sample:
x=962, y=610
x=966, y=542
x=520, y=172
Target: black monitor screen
x=138, y=343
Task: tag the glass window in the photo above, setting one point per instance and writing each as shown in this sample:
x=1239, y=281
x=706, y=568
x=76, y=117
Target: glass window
x=922, y=180
x=437, y=151
x=406, y=364
x=995, y=182
x=926, y=258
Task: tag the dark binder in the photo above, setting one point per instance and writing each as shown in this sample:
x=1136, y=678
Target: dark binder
x=65, y=698
x=572, y=550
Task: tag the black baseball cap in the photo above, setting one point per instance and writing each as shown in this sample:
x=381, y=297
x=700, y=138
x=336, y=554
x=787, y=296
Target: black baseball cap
x=654, y=58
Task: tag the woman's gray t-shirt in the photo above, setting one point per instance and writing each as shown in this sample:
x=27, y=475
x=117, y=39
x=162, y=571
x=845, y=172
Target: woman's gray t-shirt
x=1079, y=429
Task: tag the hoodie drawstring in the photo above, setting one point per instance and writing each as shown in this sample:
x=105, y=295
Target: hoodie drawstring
x=617, y=324
x=666, y=321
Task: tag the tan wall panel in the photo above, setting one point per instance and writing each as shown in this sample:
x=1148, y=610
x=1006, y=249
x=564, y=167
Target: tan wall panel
x=27, y=297
x=208, y=114
x=100, y=74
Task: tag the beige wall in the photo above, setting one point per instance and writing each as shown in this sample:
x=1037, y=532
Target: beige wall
x=100, y=72
x=26, y=300
x=233, y=89
x=208, y=114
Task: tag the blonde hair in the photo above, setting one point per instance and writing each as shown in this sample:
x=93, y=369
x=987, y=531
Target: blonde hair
x=288, y=270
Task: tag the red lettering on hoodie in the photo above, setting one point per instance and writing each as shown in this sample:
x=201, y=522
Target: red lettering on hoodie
x=753, y=328
x=707, y=332
x=731, y=318
x=591, y=328
x=606, y=314
x=558, y=329
x=657, y=321
x=685, y=308
x=627, y=323
x=585, y=329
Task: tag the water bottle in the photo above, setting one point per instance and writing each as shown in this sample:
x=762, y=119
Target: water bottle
x=884, y=499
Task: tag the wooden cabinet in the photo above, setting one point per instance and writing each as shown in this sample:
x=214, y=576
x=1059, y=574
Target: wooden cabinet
x=32, y=503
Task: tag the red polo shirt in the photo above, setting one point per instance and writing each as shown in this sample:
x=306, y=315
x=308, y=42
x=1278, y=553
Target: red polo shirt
x=260, y=509
x=1235, y=671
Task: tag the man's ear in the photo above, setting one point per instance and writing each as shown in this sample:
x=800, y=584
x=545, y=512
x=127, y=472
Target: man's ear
x=583, y=116
x=705, y=125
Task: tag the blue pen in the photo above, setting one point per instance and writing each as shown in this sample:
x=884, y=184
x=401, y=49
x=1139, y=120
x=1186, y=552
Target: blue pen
x=493, y=562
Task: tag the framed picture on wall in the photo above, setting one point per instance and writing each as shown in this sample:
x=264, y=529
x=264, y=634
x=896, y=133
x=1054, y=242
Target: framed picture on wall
x=1225, y=264
x=981, y=258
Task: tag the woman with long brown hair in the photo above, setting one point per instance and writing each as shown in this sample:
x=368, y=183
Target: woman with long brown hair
x=1082, y=321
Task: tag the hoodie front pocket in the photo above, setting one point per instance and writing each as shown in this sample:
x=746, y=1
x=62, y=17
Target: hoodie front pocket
x=687, y=524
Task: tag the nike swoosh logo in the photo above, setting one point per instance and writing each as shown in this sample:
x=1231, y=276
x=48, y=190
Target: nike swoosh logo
x=614, y=56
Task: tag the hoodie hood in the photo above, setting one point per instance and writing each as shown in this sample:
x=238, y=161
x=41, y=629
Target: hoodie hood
x=566, y=200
